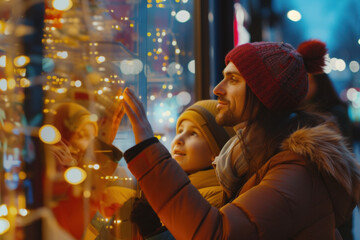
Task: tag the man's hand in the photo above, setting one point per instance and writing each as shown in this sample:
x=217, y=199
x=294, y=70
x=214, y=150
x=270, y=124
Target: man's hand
x=137, y=116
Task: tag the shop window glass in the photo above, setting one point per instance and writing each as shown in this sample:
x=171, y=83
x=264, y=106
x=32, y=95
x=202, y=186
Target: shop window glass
x=60, y=120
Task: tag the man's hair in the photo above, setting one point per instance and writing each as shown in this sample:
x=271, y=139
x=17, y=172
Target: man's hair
x=274, y=126
x=325, y=97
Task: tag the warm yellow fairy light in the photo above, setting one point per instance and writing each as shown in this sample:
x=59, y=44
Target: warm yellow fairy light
x=13, y=210
x=23, y=212
x=22, y=175
x=61, y=90
x=22, y=72
x=87, y=194
x=3, y=61
x=75, y=175
x=62, y=54
x=100, y=59
x=3, y=210
x=21, y=61
x=3, y=84
x=4, y=225
x=62, y=5
x=78, y=83
x=2, y=27
x=49, y=134
x=11, y=84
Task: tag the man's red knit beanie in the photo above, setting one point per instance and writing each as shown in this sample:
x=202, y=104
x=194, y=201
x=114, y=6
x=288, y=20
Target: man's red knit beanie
x=276, y=72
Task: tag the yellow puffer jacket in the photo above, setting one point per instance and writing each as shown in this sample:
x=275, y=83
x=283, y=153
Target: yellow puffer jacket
x=206, y=182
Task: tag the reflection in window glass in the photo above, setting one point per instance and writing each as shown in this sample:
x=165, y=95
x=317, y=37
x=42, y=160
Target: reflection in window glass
x=88, y=52
x=170, y=69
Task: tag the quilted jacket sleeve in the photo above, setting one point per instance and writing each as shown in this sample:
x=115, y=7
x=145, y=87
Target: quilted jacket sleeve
x=189, y=216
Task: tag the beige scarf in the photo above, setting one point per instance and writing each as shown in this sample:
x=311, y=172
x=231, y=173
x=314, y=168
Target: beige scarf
x=230, y=173
x=231, y=166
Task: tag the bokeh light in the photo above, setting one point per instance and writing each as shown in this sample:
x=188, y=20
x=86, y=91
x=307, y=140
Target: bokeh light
x=354, y=66
x=294, y=15
x=62, y=5
x=75, y=175
x=182, y=16
x=191, y=66
x=183, y=98
x=49, y=134
x=4, y=225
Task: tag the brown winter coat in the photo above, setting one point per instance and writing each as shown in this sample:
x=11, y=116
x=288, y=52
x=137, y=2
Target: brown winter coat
x=304, y=192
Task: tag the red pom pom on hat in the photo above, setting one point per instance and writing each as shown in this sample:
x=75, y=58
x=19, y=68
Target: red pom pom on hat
x=313, y=53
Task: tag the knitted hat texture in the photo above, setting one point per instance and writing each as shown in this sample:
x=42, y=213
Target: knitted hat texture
x=202, y=114
x=275, y=71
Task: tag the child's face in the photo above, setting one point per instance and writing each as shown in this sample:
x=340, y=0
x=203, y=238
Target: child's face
x=83, y=136
x=190, y=149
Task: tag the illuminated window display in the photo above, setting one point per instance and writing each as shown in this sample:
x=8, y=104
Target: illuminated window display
x=63, y=128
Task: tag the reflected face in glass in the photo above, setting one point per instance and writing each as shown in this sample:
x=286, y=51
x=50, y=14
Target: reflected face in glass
x=82, y=137
x=190, y=149
x=231, y=92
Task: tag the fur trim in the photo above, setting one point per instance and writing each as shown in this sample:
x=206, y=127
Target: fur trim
x=325, y=147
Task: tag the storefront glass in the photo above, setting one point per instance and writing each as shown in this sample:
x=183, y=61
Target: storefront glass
x=63, y=67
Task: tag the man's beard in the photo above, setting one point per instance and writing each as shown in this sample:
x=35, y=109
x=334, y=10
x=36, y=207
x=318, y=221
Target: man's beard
x=226, y=118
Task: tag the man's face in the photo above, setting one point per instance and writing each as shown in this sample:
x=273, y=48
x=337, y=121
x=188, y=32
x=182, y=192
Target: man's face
x=231, y=92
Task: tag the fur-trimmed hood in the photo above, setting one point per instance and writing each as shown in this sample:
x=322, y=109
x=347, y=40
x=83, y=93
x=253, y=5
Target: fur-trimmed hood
x=325, y=147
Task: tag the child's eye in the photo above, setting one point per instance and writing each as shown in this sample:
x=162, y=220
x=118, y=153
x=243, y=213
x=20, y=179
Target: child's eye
x=194, y=134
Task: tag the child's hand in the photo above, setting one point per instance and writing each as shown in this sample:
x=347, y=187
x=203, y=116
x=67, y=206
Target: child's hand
x=62, y=154
x=108, y=126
